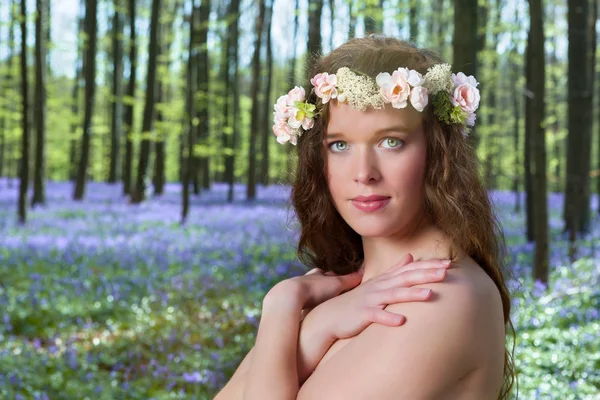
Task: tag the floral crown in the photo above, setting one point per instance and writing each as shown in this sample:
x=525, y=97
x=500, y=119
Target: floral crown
x=455, y=97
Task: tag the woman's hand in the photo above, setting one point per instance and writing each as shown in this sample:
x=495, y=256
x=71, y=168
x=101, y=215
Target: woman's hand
x=313, y=288
x=350, y=313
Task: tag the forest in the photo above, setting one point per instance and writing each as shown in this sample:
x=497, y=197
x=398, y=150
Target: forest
x=144, y=203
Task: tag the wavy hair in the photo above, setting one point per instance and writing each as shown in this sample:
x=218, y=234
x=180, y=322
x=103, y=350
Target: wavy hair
x=455, y=196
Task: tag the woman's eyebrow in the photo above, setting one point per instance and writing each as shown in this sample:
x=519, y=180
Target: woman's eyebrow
x=395, y=128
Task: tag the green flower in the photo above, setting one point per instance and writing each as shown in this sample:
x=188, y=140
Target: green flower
x=305, y=109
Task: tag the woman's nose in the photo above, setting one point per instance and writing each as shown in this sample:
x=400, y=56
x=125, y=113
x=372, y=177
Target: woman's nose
x=366, y=169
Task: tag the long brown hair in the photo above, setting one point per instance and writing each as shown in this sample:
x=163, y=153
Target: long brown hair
x=455, y=196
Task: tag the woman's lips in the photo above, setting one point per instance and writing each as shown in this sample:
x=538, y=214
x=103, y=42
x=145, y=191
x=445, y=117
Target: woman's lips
x=370, y=206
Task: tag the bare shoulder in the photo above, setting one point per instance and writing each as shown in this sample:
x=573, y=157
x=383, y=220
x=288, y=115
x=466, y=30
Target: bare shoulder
x=458, y=333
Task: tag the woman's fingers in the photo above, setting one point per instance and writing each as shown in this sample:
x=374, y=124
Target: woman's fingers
x=423, y=264
x=403, y=295
x=385, y=317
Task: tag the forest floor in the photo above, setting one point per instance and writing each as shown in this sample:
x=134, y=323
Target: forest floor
x=101, y=299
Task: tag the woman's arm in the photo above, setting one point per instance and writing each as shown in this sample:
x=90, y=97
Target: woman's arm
x=314, y=341
x=273, y=372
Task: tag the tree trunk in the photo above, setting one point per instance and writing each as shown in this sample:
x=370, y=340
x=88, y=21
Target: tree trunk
x=254, y=124
x=314, y=48
x=529, y=215
x=231, y=129
x=267, y=108
x=188, y=165
x=414, y=21
x=39, y=176
x=203, y=91
x=351, y=19
x=515, y=73
x=165, y=39
x=117, y=103
x=139, y=193
x=24, y=173
x=90, y=91
x=76, y=120
x=331, y=21
x=591, y=64
x=579, y=119
x=465, y=43
x=128, y=111
x=538, y=141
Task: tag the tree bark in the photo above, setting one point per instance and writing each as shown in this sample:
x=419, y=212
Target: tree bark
x=413, y=21
x=203, y=91
x=579, y=119
x=128, y=111
x=538, y=141
x=314, y=47
x=188, y=165
x=117, y=103
x=267, y=107
x=465, y=43
x=139, y=193
x=39, y=176
x=24, y=173
x=90, y=92
x=254, y=124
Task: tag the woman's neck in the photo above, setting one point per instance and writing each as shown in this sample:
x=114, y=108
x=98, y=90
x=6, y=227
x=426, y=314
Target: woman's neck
x=423, y=240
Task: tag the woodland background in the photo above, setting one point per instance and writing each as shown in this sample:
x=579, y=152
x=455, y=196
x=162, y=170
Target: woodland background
x=144, y=201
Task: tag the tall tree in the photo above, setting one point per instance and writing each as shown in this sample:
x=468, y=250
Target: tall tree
x=579, y=118
x=254, y=124
x=351, y=19
x=116, y=129
x=39, y=195
x=128, y=112
x=187, y=167
x=465, y=41
x=331, y=21
x=265, y=132
x=203, y=91
x=537, y=83
x=292, y=80
x=75, y=119
x=515, y=73
x=231, y=130
x=315, y=9
x=413, y=21
x=90, y=92
x=139, y=193
x=24, y=173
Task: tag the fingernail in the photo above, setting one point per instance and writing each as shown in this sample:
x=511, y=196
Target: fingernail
x=446, y=262
x=425, y=292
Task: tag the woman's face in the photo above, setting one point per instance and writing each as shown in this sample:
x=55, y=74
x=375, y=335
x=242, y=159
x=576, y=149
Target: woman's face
x=376, y=152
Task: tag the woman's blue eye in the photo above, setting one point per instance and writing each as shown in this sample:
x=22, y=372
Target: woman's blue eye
x=338, y=146
x=393, y=142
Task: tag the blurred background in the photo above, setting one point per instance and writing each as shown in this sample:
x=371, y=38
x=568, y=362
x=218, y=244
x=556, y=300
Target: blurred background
x=144, y=205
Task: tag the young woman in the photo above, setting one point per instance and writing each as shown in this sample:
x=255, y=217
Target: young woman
x=385, y=173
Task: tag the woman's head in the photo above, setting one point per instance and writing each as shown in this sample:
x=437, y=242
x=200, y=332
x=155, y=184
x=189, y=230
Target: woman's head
x=425, y=165
x=376, y=152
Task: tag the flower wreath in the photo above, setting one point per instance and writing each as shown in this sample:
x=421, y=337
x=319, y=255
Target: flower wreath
x=455, y=97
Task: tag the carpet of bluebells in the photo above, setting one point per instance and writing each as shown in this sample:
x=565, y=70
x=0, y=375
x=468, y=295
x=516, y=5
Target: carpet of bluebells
x=101, y=299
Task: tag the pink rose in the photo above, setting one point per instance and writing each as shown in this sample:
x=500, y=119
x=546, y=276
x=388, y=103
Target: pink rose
x=296, y=94
x=282, y=131
x=394, y=88
x=419, y=98
x=325, y=86
x=282, y=109
x=467, y=96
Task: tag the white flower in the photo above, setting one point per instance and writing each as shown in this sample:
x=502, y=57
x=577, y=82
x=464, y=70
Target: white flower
x=419, y=98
